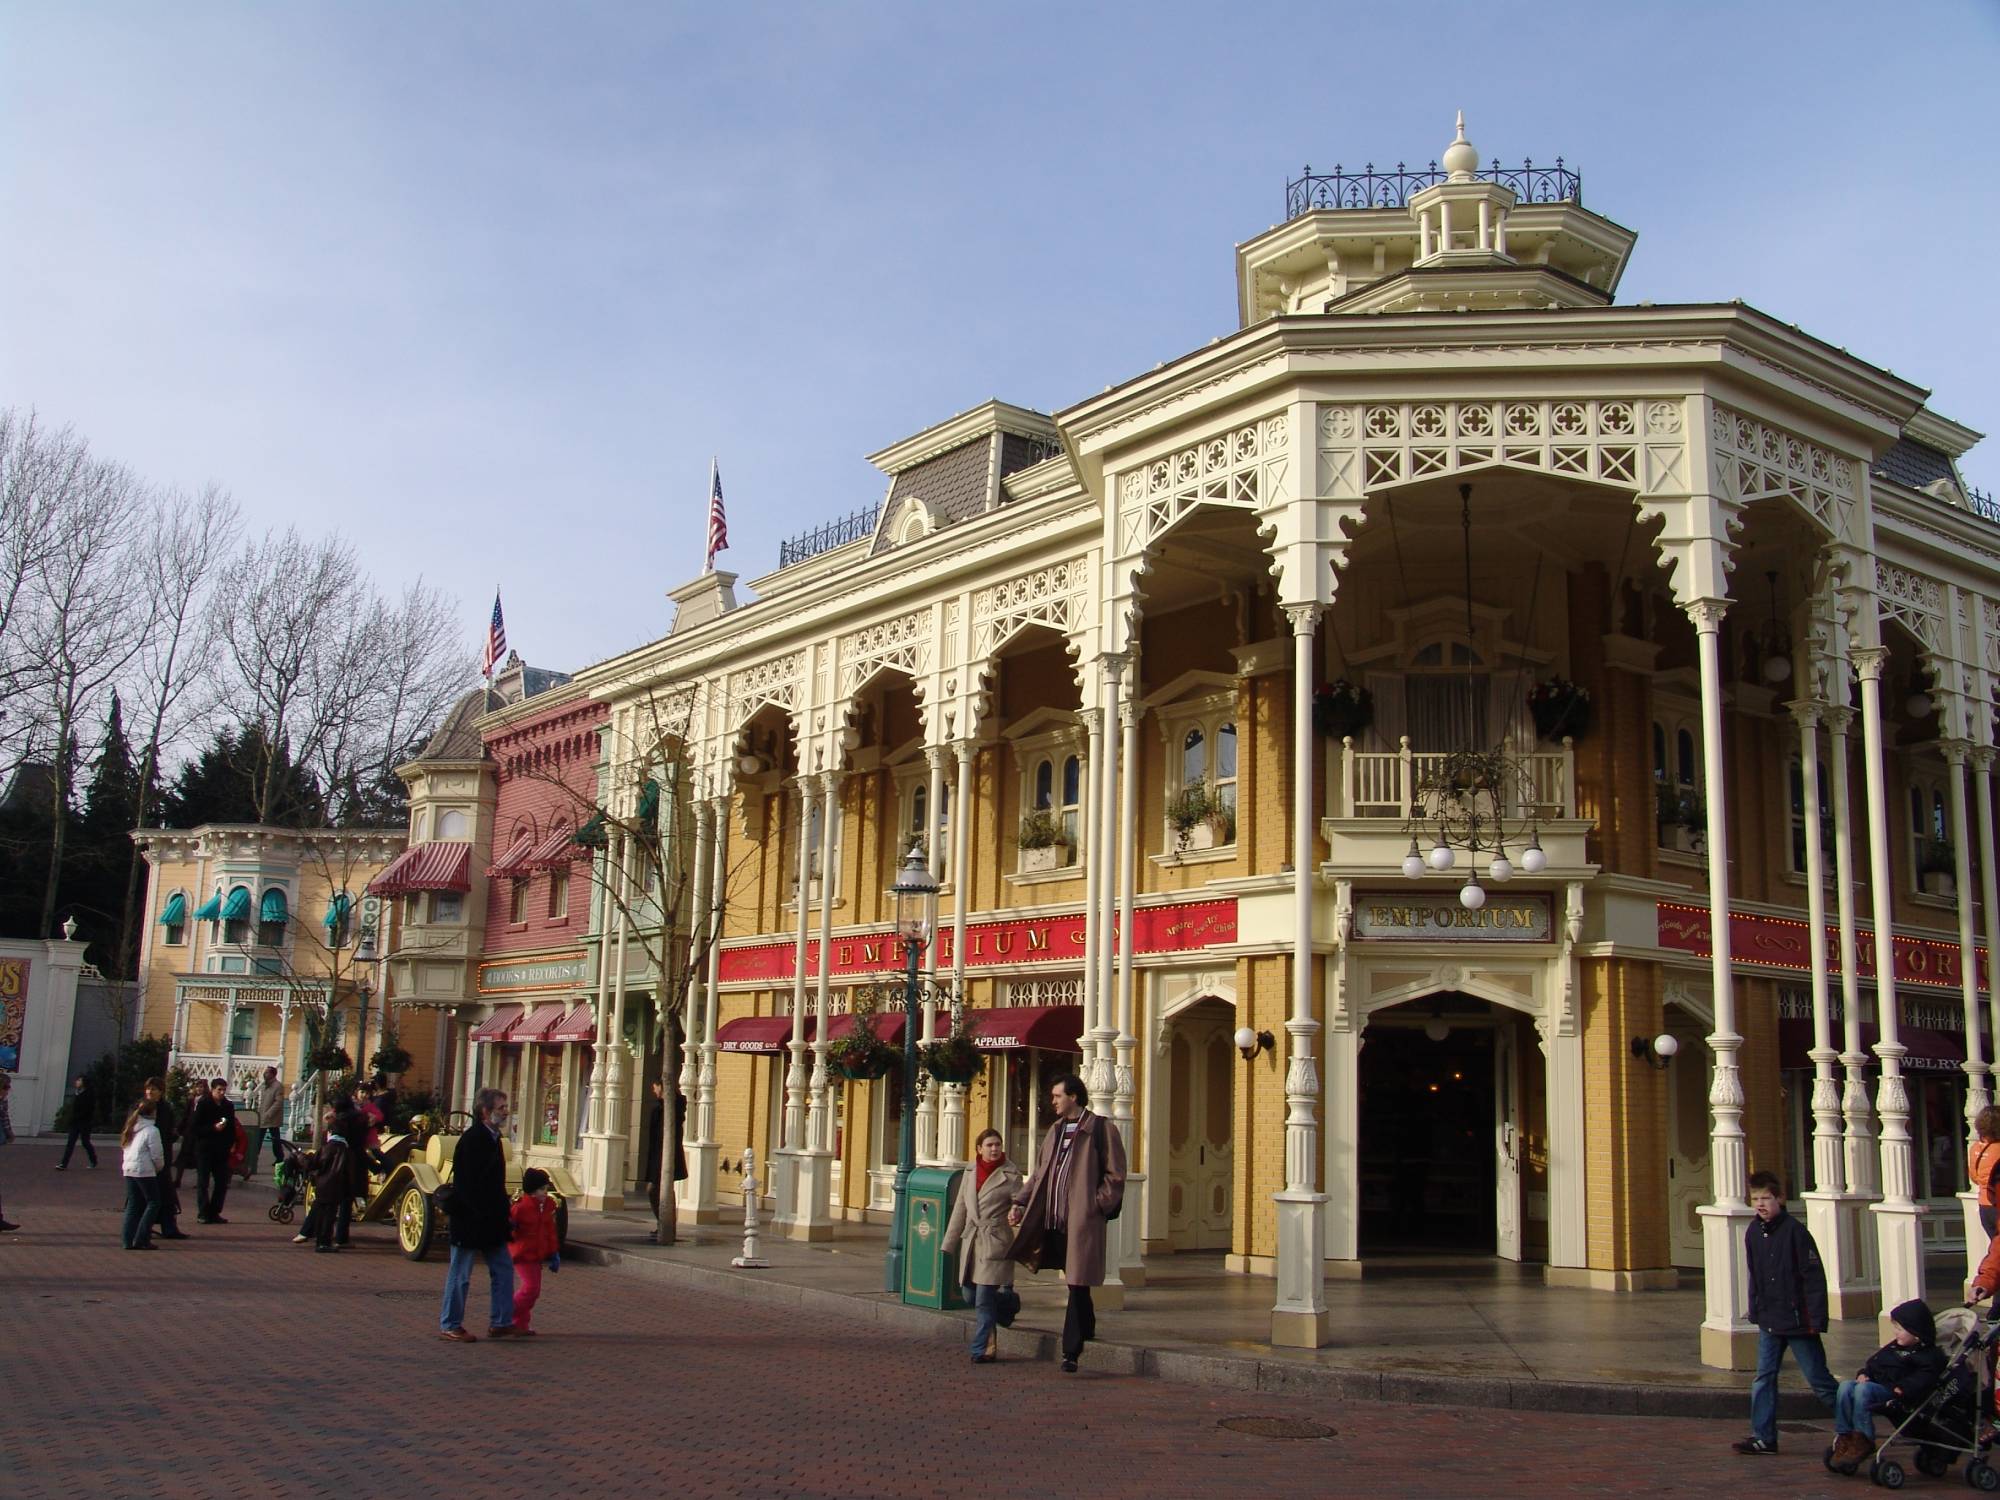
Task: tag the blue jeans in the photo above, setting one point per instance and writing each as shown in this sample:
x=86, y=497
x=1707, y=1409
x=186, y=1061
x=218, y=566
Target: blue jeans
x=1854, y=1408
x=142, y=1208
x=986, y=1302
x=458, y=1281
x=1811, y=1355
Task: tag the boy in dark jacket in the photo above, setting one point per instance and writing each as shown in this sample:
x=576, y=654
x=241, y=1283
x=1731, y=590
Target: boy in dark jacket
x=1905, y=1369
x=1788, y=1305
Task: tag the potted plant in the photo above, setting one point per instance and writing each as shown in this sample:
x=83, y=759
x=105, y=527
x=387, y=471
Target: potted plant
x=1341, y=710
x=1683, y=819
x=861, y=1053
x=1937, y=871
x=1559, y=708
x=1043, y=842
x=1199, y=819
x=328, y=1057
x=952, y=1058
x=390, y=1059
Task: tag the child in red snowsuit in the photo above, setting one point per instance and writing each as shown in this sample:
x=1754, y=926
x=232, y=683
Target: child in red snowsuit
x=535, y=1244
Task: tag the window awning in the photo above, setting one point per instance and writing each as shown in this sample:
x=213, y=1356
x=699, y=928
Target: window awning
x=174, y=913
x=1926, y=1050
x=1054, y=1028
x=888, y=1026
x=272, y=908
x=757, y=1033
x=539, y=1022
x=496, y=1026
x=514, y=863
x=211, y=910
x=580, y=1025
x=337, y=910
x=427, y=867
x=237, y=907
x=557, y=850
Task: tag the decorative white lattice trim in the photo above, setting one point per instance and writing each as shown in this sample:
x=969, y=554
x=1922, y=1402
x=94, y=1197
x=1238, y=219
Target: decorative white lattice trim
x=777, y=681
x=1243, y=469
x=1016, y=992
x=1057, y=596
x=1913, y=600
x=1758, y=462
x=903, y=644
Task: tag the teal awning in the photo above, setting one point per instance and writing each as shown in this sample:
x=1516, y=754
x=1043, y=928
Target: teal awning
x=338, y=909
x=271, y=910
x=211, y=910
x=175, y=913
x=649, y=800
x=237, y=907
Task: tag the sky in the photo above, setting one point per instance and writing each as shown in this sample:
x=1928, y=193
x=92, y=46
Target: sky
x=484, y=287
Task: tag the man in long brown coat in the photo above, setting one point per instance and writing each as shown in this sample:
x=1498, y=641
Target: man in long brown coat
x=1078, y=1187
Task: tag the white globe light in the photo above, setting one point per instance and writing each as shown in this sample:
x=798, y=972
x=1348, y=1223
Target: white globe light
x=1246, y=1039
x=1413, y=865
x=1777, y=669
x=1471, y=896
x=1533, y=860
x=1500, y=871
x=1918, y=705
x=1665, y=1045
x=1437, y=1028
x=1441, y=857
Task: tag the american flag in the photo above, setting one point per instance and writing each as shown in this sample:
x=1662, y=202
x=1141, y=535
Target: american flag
x=718, y=523
x=496, y=637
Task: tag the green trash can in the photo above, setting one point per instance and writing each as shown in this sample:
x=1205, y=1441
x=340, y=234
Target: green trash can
x=930, y=1277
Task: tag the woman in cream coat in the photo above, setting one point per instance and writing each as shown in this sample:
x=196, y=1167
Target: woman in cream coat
x=979, y=1224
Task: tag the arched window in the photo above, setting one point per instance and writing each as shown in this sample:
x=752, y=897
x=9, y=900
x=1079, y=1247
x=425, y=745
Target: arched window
x=236, y=916
x=174, y=918
x=1225, y=767
x=1194, y=758
x=272, y=915
x=1045, y=783
x=1684, y=766
x=451, y=825
x=1660, y=754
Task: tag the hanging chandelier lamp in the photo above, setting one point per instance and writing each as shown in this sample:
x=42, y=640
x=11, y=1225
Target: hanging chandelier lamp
x=1474, y=802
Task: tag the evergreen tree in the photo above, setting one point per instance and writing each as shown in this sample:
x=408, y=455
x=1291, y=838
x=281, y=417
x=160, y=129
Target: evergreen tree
x=219, y=785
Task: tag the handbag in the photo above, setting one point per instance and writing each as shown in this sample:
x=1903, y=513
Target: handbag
x=1007, y=1307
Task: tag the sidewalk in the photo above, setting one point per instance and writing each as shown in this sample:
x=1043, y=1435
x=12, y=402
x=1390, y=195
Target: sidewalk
x=1430, y=1330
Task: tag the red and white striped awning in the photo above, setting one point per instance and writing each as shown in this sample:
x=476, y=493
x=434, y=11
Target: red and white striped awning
x=496, y=1026
x=514, y=863
x=580, y=1025
x=560, y=848
x=427, y=867
x=535, y=1027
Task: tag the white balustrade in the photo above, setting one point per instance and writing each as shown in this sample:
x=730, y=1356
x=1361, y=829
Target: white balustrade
x=1383, y=783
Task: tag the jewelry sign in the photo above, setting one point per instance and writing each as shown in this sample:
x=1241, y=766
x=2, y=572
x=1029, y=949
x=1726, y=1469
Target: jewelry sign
x=1429, y=917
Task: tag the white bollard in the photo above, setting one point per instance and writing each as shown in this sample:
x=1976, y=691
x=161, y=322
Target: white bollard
x=750, y=1260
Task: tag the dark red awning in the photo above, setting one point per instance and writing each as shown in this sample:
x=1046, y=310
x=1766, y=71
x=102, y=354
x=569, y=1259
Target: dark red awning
x=1928, y=1051
x=757, y=1034
x=427, y=867
x=580, y=1025
x=1054, y=1028
x=539, y=1022
x=496, y=1026
x=888, y=1027
x=514, y=862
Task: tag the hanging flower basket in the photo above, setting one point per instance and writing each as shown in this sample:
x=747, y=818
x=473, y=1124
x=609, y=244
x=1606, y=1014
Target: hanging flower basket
x=328, y=1059
x=1341, y=710
x=1560, y=708
x=861, y=1054
x=951, y=1059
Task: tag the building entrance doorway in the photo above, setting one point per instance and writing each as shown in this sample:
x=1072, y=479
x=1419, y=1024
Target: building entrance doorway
x=1201, y=1098
x=1453, y=1148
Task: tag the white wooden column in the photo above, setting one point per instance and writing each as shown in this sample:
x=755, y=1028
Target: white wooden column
x=785, y=1160
x=1831, y=1212
x=1860, y=1159
x=928, y=1101
x=1130, y=1226
x=689, y=1192
x=1108, y=829
x=1899, y=1218
x=1989, y=881
x=967, y=751
x=1978, y=1093
x=1096, y=855
x=813, y=1220
x=1299, y=1317
x=704, y=1153
x=1728, y=1338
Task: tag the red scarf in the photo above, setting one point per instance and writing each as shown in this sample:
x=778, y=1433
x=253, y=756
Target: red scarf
x=982, y=1169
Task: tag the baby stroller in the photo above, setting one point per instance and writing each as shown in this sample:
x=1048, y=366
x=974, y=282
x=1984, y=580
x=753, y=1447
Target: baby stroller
x=290, y=1176
x=1945, y=1424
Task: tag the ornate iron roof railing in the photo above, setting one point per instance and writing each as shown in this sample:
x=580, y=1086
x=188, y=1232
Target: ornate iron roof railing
x=825, y=538
x=1369, y=188
x=1982, y=504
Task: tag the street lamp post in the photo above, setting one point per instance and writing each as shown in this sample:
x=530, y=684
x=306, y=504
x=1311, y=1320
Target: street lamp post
x=916, y=919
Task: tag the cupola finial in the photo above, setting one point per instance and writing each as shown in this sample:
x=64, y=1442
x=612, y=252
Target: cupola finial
x=1461, y=157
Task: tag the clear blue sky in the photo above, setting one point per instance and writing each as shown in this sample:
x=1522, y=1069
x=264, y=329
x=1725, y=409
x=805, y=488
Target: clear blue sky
x=484, y=285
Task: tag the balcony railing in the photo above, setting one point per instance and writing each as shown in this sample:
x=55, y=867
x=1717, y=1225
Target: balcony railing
x=1383, y=783
x=1369, y=188
x=242, y=1069
x=825, y=538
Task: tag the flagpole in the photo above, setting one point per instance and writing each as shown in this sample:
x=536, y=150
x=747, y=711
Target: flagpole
x=707, y=514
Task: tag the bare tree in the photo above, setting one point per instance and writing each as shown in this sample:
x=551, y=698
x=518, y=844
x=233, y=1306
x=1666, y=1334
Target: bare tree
x=172, y=684
x=41, y=473
x=81, y=620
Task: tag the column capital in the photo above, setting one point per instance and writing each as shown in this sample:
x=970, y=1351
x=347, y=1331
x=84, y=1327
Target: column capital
x=829, y=781
x=1092, y=720
x=1706, y=614
x=966, y=750
x=1837, y=717
x=1131, y=713
x=1955, y=751
x=1114, y=663
x=937, y=757
x=1304, y=617
x=1869, y=661
x=1982, y=758
x=1807, y=712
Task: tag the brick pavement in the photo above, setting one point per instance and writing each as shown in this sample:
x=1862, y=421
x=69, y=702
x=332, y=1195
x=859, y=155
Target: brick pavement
x=323, y=1376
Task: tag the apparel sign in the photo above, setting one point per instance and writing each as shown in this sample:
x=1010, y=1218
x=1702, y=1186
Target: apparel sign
x=1429, y=917
x=13, y=1011
x=539, y=975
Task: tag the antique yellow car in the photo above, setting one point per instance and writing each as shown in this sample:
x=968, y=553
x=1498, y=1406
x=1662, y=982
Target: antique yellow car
x=418, y=1163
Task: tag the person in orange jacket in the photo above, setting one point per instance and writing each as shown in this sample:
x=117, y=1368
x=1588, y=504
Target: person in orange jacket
x=535, y=1244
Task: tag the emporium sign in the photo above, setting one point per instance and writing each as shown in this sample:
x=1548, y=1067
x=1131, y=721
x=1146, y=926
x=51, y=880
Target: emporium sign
x=1033, y=940
x=542, y=974
x=1785, y=943
x=1407, y=917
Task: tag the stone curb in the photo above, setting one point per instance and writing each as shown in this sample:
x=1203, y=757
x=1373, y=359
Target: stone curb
x=1234, y=1372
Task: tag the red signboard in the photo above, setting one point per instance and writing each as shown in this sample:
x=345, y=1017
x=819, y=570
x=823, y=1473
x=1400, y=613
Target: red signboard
x=1030, y=940
x=1784, y=943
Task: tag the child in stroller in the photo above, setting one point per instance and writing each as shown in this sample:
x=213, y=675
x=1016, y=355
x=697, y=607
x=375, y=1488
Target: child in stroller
x=1927, y=1379
x=290, y=1175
